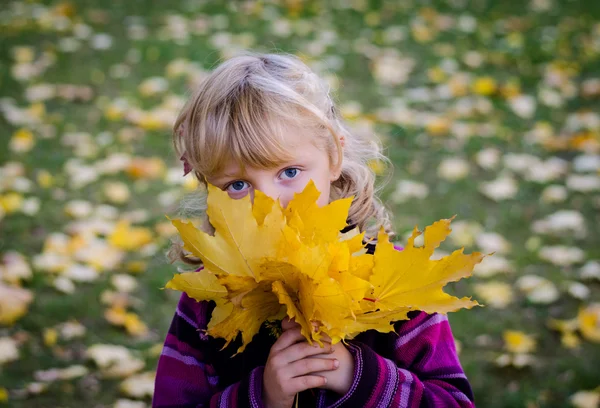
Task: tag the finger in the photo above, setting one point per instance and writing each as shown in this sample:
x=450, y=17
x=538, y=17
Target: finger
x=288, y=338
x=302, y=350
x=329, y=354
x=311, y=365
x=306, y=382
x=287, y=324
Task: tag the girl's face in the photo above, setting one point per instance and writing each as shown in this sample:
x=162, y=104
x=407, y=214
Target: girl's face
x=308, y=162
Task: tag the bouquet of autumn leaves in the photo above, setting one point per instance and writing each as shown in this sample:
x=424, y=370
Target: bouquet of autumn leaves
x=265, y=262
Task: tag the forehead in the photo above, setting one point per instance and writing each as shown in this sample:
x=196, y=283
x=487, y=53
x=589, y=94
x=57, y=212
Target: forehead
x=288, y=144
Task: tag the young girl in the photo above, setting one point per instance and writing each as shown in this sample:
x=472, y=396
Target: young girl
x=266, y=122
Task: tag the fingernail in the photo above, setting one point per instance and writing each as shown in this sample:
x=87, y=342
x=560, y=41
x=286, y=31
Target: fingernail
x=336, y=363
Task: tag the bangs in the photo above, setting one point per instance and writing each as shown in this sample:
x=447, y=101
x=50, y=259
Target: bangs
x=248, y=128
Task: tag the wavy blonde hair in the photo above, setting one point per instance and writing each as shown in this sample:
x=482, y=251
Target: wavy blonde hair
x=238, y=112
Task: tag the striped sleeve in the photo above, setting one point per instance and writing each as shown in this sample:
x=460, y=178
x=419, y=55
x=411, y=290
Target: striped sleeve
x=184, y=380
x=424, y=372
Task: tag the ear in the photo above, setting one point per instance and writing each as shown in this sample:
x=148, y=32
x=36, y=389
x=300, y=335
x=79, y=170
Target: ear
x=335, y=174
x=187, y=167
x=336, y=171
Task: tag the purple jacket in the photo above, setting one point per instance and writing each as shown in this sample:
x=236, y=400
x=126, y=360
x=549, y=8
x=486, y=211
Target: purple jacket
x=415, y=367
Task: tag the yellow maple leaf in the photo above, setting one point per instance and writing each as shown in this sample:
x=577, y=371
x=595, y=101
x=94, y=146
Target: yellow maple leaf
x=240, y=236
x=316, y=223
x=220, y=313
x=293, y=289
x=201, y=285
x=265, y=262
x=361, y=266
x=381, y=320
x=354, y=238
x=257, y=306
x=293, y=311
x=409, y=279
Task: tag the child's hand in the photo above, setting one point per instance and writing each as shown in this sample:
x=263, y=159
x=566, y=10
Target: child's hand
x=290, y=369
x=338, y=380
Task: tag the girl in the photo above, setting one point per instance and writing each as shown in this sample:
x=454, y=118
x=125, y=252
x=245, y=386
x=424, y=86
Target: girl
x=267, y=122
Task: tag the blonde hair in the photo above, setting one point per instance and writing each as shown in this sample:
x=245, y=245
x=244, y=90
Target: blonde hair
x=238, y=112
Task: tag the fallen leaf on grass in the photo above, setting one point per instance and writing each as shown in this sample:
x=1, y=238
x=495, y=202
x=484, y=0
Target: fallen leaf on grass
x=14, y=303
x=114, y=361
x=139, y=385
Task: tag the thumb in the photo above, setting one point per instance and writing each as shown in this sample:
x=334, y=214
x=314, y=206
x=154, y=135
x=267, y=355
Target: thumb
x=287, y=324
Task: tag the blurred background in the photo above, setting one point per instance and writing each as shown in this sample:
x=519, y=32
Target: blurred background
x=487, y=108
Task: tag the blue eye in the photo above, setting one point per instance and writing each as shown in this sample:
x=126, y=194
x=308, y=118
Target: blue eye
x=237, y=186
x=290, y=173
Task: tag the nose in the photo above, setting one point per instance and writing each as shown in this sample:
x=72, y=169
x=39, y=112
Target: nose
x=275, y=191
x=269, y=189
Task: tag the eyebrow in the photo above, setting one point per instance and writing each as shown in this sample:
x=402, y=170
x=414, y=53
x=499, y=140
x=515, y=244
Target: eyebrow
x=297, y=160
x=226, y=177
